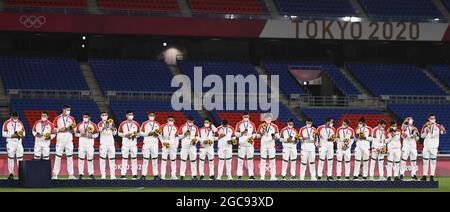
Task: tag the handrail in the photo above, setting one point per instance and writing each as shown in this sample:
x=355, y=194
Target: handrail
x=48, y=94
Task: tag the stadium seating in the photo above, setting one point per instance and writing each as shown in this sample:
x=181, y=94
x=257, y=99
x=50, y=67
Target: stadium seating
x=41, y=73
x=319, y=115
x=30, y=111
x=394, y=79
x=247, y=7
x=446, y=4
x=420, y=115
x=48, y=3
x=133, y=75
x=148, y=5
x=315, y=8
x=442, y=72
x=401, y=9
x=290, y=85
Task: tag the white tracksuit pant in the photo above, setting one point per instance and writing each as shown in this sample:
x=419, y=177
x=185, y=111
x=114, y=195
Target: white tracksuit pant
x=343, y=156
x=377, y=157
x=170, y=153
x=129, y=148
x=411, y=153
x=206, y=151
x=225, y=154
x=362, y=153
x=243, y=152
x=394, y=156
x=289, y=154
x=42, y=148
x=326, y=152
x=150, y=152
x=191, y=153
x=429, y=159
x=107, y=152
x=15, y=150
x=86, y=152
x=267, y=152
x=308, y=156
x=63, y=144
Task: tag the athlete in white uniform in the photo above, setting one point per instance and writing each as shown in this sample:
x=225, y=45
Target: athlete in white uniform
x=327, y=138
x=430, y=133
x=150, y=130
x=410, y=135
x=245, y=133
x=188, y=133
x=207, y=149
x=129, y=132
x=268, y=132
x=169, y=141
x=107, y=150
x=86, y=131
x=14, y=132
x=225, y=148
x=65, y=127
x=362, y=151
x=309, y=140
x=289, y=139
x=394, y=151
x=345, y=136
x=378, y=146
x=43, y=132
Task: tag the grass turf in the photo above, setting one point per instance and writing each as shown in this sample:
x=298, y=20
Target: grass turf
x=444, y=186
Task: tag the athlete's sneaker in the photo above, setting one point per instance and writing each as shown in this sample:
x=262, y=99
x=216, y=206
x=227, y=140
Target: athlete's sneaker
x=382, y=178
x=347, y=178
x=240, y=178
x=319, y=178
x=251, y=178
x=212, y=178
x=123, y=177
x=80, y=177
x=273, y=178
x=54, y=177
x=156, y=177
x=396, y=178
x=293, y=178
x=91, y=177
x=401, y=177
x=283, y=178
x=330, y=178
x=71, y=177
x=313, y=179
x=174, y=178
x=230, y=178
x=388, y=179
x=113, y=177
x=219, y=178
x=181, y=177
x=424, y=178
x=432, y=178
x=135, y=177
x=143, y=177
x=103, y=177
x=371, y=178
x=11, y=177
x=414, y=177
x=338, y=178
x=262, y=178
x=355, y=177
x=364, y=178
x=302, y=179
x=202, y=177
x=194, y=178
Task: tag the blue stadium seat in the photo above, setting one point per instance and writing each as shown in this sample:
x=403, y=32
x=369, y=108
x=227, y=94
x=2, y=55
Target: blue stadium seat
x=401, y=9
x=394, y=79
x=442, y=72
x=41, y=73
x=315, y=8
x=132, y=75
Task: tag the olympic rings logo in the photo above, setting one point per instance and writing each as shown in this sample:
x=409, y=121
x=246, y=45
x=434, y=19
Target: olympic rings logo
x=32, y=21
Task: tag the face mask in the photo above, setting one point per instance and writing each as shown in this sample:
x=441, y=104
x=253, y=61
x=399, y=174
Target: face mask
x=360, y=125
x=44, y=118
x=170, y=123
x=151, y=118
x=131, y=117
x=245, y=119
x=394, y=128
x=15, y=119
x=308, y=125
x=290, y=126
x=67, y=112
x=207, y=125
x=344, y=126
x=268, y=121
x=190, y=124
x=85, y=119
x=331, y=124
x=104, y=118
x=433, y=121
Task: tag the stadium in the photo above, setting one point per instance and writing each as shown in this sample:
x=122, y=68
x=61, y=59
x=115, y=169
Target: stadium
x=78, y=74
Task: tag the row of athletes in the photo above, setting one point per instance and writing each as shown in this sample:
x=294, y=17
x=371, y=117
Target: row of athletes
x=374, y=144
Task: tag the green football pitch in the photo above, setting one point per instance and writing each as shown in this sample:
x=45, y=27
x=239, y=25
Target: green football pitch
x=444, y=186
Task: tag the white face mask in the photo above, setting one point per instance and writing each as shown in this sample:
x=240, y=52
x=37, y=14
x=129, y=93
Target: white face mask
x=207, y=125
x=290, y=126
x=410, y=121
x=433, y=121
x=15, y=119
x=331, y=125
x=268, y=121
x=344, y=126
x=360, y=125
x=104, y=118
x=308, y=125
x=151, y=118
x=85, y=119
x=131, y=117
x=245, y=119
x=67, y=112
x=190, y=124
x=170, y=123
x=44, y=118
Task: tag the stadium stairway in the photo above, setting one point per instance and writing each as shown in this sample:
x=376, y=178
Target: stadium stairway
x=283, y=99
x=93, y=7
x=354, y=81
x=358, y=9
x=97, y=94
x=272, y=9
x=4, y=105
x=185, y=8
x=436, y=80
x=441, y=7
x=2, y=7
